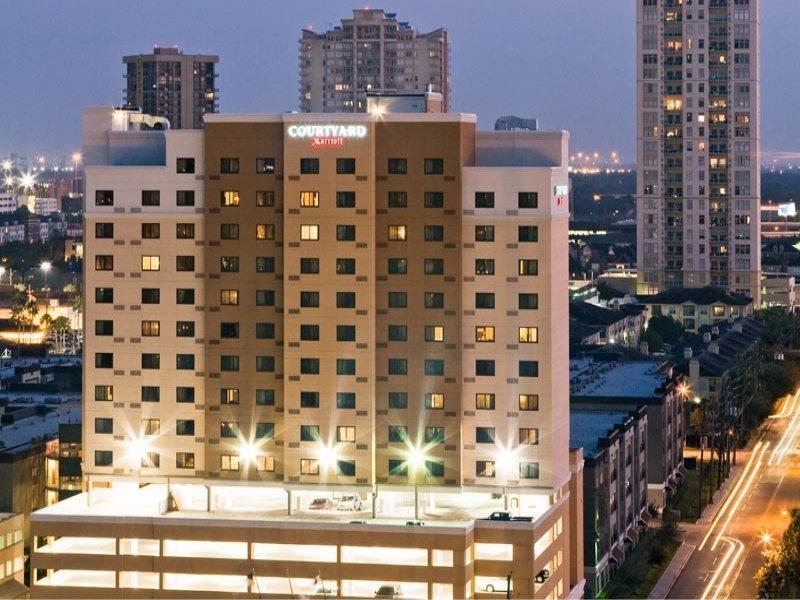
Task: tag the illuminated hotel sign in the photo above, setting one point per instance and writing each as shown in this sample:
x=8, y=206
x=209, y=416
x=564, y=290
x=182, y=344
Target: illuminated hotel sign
x=327, y=135
x=560, y=192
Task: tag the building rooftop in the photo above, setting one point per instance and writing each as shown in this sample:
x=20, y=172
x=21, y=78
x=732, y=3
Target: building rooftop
x=701, y=296
x=30, y=431
x=587, y=428
x=634, y=379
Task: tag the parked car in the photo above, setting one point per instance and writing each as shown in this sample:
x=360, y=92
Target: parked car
x=321, y=504
x=348, y=502
x=542, y=576
x=500, y=516
x=389, y=591
x=414, y=523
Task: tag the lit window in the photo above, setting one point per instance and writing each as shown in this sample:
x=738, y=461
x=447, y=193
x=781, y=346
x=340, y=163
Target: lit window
x=229, y=396
x=151, y=426
x=484, y=401
x=229, y=462
x=265, y=463
x=529, y=435
x=528, y=335
x=309, y=232
x=434, y=333
x=309, y=466
x=309, y=199
x=345, y=434
x=484, y=468
x=434, y=401
x=528, y=266
x=151, y=328
x=484, y=333
x=151, y=263
x=397, y=233
x=265, y=232
x=230, y=198
x=229, y=297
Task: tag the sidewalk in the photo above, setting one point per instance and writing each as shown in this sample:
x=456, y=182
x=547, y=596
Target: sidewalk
x=671, y=573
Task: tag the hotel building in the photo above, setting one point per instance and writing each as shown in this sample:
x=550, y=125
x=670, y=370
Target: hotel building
x=698, y=145
x=320, y=351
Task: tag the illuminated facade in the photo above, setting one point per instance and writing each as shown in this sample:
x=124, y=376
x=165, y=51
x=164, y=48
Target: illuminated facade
x=306, y=330
x=698, y=145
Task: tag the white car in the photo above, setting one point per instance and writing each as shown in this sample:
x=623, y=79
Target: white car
x=348, y=502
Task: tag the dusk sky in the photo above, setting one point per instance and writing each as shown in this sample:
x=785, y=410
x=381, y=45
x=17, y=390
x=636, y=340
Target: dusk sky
x=568, y=62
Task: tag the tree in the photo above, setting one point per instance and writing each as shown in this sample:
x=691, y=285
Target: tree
x=667, y=327
x=654, y=340
x=779, y=576
x=61, y=328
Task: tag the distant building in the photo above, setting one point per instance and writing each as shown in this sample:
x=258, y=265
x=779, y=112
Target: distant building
x=12, y=557
x=694, y=308
x=168, y=83
x=370, y=52
x=8, y=203
x=63, y=463
x=778, y=290
x=614, y=488
x=594, y=325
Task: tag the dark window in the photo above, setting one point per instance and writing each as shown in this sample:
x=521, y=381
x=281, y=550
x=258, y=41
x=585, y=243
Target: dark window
x=265, y=364
x=104, y=198
x=397, y=266
x=151, y=360
x=228, y=429
x=265, y=298
x=484, y=435
x=229, y=362
x=528, y=200
x=398, y=467
x=309, y=265
x=345, y=333
x=309, y=366
x=434, y=233
x=309, y=166
x=104, y=262
x=434, y=367
x=184, y=296
x=398, y=400
x=398, y=299
x=229, y=264
x=184, y=263
x=184, y=395
x=103, y=327
x=229, y=396
x=398, y=333
x=398, y=433
x=346, y=468
x=484, y=300
x=434, y=199
x=309, y=333
x=528, y=368
x=229, y=166
x=528, y=233
x=345, y=199
x=104, y=360
x=309, y=433
x=434, y=266
x=265, y=198
x=346, y=233
x=397, y=166
x=104, y=295
x=398, y=199
x=345, y=400
x=184, y=231
x=484, y=233
x=184, y=198
x=309, y=299
x=345, y=166
x=103, y=393
x=265, y=431
x=229, y=231
x=151, y=231
x=484, y=266
x=150, y=393
x=265, y=165
x=529, y=470
x=309, y=399
x=434, y=300
x=484, y=199
x=265, y=331
x=184, y=165
x=528, y=266
x=345, y=299
x=151, y=197
x=434, y=166
x=484, y=368
x=398, y=366
x=265, y=397
x=229, y=330
x=345, y=266
x=104, y=230
x=103, y=458
x=345, y=366
x=265, y=264
x=435, y=468
x=184, y=362
x=434, y=435
x=528, y=301
x=184, y=427
x=151, y=295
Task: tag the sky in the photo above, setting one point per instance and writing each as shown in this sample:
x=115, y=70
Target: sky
x=571, y=63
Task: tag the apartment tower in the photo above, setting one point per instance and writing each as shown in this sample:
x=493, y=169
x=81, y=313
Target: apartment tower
x=372, y=52
x=321, y=351
x=698, y=156
x=171, y=84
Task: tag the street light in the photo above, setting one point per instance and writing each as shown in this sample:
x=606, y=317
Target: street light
x=415, y=458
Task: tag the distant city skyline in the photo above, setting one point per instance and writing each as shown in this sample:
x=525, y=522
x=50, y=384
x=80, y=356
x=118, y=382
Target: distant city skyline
x=569, y=63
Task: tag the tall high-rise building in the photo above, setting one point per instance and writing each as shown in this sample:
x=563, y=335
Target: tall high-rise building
x=320, y=351
x=372, y=52
x=171, y=84
x=698, y=155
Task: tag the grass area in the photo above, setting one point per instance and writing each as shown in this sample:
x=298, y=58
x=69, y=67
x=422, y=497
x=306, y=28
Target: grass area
x=685, y=499
x=643, y=567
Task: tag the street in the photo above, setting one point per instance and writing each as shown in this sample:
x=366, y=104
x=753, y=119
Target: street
x=751, y=516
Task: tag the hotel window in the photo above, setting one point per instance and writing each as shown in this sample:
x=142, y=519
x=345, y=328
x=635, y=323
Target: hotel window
x=309, y=366
x=265, y=364
x=528, y=368
x=434, y=199
x=345, y=399
x=104, y=360
x=265, y=166
x=529, y=335
x=229, y=264
x=230, y=198
x=434, y=333
x=434, y=401
x=184, y=198
x=346, y=233
x=398, y=400
x=229, y=166
x=434, y=233
x=184, y=165
x=104, y=393
x=484, y=266
x=265, y=331
x=434, y=266
x=104, y=295
x=309, y=199
x=150, y=393
x=151, y=360
x=229, y=297
x=528, y=266
x=397, y=233
x=103, y=458
x=265, y=397
x=434, y=367
x=528, y=200
x=345, y=266
x=529, y=435
x=265, y=463
x=528, y=301
x=435, y=468
x=229, y=462
x=104, y=327
x=151, y=296
x=345, y=299
x=484, y=333
x=184, y=231
x=265, y=264
x=345, y=166
x=434, y=300
x=398, y=433
x=309, y=299
x=345, y=199
x=484, y=368
x=484, y=435
x=345, y=333
x=309, y=166
x=104, y=425
x=484, y=468
x=528, y=233
x=345, y=366
x=229, y=362
x=434, y=166
x=484, y=300
x=397, y=166
x=397, y=266
x=151, y=231
x=150, y=426
x=529, y=470
x=309, y=466
x=229, y=396
x=529, y=401
x=265, y=431
x=228, y=429
x=309, y=433
x=397, y=199
x=484, y=233
x=265, y=298
x=484, y=199
x=398, y=467
x=184, y=427
x=265, y=198
x=151, y=328
x=151, y=198
x=398, y=366
x=484, y=401
x=309, y=232
x=434, y=435
x=309, y=266
x=184, y=296
x=184, y=460
x=309, y=333
x=309, y=399
x=184, y=395
x=345, y=434
x=229, y=231
x=184, y=263
x=104, y=262
x=104, y=230
x=398, y=299
x=104, y=198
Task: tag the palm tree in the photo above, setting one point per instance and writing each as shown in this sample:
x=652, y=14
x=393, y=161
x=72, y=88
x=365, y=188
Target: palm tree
x=61, y=328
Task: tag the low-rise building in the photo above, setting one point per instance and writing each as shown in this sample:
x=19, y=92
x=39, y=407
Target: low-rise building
x=694, y=308
x=778, y=290
x=614, y=488
x=591, y=324
x=12, y=557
